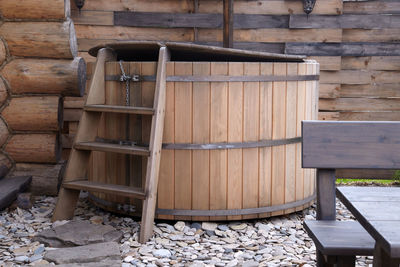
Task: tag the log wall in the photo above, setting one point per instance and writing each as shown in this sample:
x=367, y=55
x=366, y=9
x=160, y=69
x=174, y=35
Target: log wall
x=39, y=66
x=355, y=42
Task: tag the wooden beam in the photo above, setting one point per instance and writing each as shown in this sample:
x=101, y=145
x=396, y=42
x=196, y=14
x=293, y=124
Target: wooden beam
x=228, y=23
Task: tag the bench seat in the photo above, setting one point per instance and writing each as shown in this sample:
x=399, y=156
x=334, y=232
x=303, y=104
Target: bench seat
x=340, y=237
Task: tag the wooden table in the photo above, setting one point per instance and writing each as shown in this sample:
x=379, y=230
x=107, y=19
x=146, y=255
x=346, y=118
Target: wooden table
x=378, y=211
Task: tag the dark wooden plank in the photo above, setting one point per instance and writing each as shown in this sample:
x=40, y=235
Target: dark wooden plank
x=364, y=174
x=228, y=23
x=10, y=187
x=343, y=49
x=197, y=20
x=380, y=218
x=371, y=194
x=347, y=21
x=351, y=145
x=340, y=237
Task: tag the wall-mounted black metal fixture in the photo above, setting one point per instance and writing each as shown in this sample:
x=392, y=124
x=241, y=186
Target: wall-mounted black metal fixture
x=308, y=6
x=79, y=3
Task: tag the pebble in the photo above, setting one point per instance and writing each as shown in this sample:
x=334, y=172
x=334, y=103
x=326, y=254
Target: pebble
x=162, y=253
x=209, y=226
x=277, y=241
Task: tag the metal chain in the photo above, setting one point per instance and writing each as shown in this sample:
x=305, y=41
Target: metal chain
x=125, y=78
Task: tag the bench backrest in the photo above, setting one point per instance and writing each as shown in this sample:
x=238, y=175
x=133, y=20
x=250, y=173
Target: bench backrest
x=351, y=145
x=331, y=145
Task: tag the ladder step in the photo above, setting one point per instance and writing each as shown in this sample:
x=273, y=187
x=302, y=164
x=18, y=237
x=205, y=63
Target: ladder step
x=107, y=147
x=120, y=190
x=120, y=109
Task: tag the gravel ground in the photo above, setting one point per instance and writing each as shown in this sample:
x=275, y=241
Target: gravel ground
x=277, y=241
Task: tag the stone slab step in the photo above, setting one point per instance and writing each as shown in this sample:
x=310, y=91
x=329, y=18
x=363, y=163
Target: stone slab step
x=10, y=187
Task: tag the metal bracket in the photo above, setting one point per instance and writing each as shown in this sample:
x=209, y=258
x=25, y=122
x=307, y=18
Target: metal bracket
x=308, y=6
x=133, y=78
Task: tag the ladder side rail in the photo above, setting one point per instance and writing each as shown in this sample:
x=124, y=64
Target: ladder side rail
x=87, y=131
x=155, y=144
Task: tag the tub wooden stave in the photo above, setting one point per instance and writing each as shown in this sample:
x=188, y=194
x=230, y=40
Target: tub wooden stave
x=228, y=180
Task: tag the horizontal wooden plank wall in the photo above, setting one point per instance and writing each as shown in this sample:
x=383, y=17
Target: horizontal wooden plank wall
x=355, y=42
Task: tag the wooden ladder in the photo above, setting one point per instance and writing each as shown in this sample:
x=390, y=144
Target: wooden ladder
x=75, y=178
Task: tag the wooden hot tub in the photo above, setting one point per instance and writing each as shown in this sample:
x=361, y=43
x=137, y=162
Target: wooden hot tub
x=232, y=135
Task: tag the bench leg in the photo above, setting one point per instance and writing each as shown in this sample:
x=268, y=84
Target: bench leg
x=321, y=261
x=382, y=259
x=346, y=261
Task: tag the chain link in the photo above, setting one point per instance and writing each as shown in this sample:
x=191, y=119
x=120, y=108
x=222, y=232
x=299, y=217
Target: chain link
x=125, y=78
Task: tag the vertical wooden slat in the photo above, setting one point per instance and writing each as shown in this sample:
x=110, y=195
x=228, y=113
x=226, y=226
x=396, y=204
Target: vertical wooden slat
x=290, y=150
x=218, y=131
x=135, y=133
x=166, y=178
x=201, y=125
x=183, y=134
x=148, y=88
x=308, y=116
x=251, y=124
x=301, y=109
x=315, y=98
x=228, y=23
x=235, y=134
x=278, y=132
x=265, y=159
x=114, y=123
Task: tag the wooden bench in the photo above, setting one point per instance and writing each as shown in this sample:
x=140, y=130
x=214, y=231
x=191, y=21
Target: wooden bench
x=328, y=146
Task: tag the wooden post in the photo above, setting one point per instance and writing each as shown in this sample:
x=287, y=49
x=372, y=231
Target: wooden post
x=326, y=206
x=228, y=23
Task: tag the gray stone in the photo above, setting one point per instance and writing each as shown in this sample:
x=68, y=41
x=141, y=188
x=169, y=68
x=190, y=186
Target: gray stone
x=84, y=254
x=250, y=264
x=39, y=250
x=196, y=226
x=21, y=259
x=223, y=227
x=179, y=226
x=78, y=233
x=35, y=258
x=209, y=226
x=162, y=253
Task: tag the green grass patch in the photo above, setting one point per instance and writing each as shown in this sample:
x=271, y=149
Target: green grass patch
x=367, y=181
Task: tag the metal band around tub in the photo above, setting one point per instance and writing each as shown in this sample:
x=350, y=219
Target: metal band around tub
x=221, y=78
x=233, y=212
x=212, y=146
x=131, y=209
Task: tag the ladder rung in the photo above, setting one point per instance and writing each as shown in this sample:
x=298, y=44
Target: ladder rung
x=121, y=190
x=106, y=147
x=120, y=109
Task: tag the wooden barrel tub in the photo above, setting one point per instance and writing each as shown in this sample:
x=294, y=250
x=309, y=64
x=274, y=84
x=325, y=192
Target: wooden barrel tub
x=232, y=135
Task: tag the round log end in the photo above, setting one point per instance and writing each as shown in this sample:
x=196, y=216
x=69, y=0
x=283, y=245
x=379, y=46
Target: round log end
x=81, y=76
x=73, y=43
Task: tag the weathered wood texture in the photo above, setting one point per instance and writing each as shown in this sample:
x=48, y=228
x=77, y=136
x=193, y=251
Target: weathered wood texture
x=40, y=39
x=46, y=178
x=356, y=42
x=354, y=145
x=46, y=76
x=35, y=9
x=209, y=112
x=34, y=113
x=37, y=148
